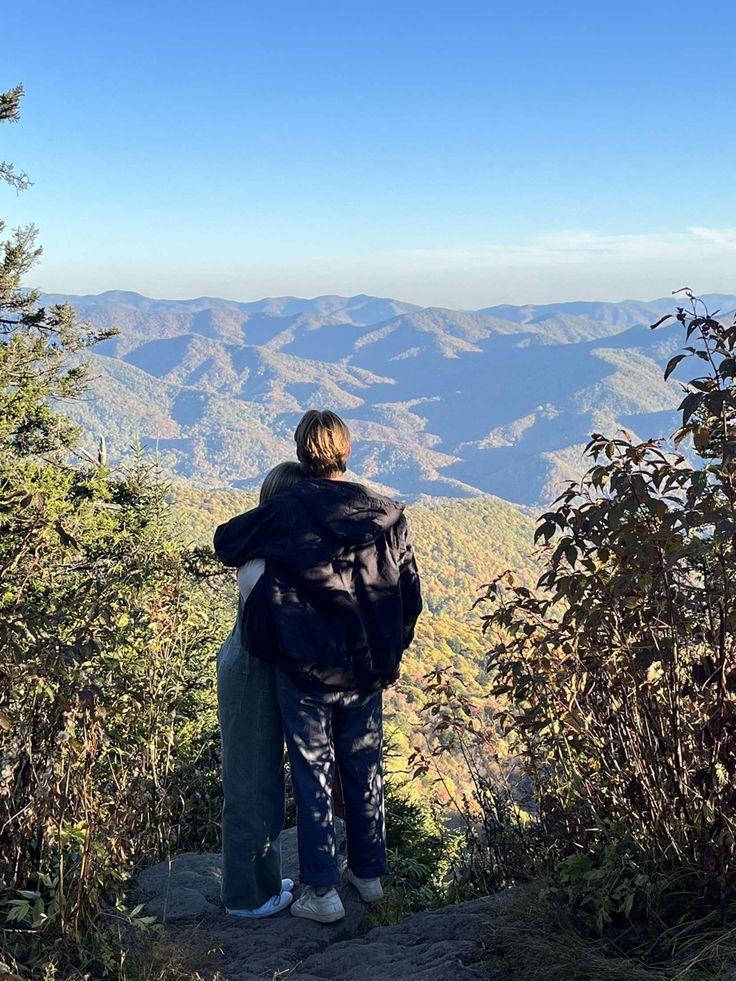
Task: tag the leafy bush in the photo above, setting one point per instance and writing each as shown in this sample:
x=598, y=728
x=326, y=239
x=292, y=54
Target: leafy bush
x=619, y=669
x=110, y=748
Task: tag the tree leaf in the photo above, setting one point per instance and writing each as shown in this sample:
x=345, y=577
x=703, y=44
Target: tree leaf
x=672, y=364
x=667, y=316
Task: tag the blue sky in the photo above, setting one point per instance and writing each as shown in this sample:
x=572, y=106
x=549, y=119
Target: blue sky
x=457, y=153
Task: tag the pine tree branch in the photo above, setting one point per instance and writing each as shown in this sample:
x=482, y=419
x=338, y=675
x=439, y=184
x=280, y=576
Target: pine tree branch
x=10, y=113
x=20, y=180
x=10, y=104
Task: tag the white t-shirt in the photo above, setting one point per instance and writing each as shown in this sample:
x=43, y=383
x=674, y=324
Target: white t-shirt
x=248, y=576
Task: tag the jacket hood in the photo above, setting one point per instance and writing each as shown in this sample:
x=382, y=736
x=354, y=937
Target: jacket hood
x=348, y=512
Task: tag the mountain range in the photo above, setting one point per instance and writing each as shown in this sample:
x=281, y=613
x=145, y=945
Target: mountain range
x=440, y=402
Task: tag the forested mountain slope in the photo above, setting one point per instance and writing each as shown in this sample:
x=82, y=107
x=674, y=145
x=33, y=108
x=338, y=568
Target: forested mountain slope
x=440, y=402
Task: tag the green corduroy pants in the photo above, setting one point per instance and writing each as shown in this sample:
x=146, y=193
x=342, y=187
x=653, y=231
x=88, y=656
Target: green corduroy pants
x=252, y=776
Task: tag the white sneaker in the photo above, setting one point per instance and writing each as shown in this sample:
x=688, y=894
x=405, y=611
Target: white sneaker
x=272, y=906
x=322, y=909
x=287, y=884
x=370, y=890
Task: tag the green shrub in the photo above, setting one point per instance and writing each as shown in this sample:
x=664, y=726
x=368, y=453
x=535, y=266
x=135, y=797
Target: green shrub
x=619, y=670
x=109, y=749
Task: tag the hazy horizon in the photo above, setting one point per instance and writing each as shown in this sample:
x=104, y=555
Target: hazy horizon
x=311, y=296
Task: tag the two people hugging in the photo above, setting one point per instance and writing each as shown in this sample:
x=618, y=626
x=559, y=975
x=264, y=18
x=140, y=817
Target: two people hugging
x=329, y=597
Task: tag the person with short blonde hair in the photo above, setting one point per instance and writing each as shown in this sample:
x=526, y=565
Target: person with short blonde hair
x=322, y=444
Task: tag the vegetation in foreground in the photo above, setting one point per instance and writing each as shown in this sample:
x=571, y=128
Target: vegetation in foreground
x=618, y=678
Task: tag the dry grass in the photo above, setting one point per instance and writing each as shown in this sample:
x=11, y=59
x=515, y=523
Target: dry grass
x=159, y=961
x=538, y=942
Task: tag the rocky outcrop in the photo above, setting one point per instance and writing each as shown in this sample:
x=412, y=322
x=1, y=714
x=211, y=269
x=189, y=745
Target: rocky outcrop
x=442, y=945
x=449, y=944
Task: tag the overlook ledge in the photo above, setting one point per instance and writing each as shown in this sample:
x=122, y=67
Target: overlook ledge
x=441, y=945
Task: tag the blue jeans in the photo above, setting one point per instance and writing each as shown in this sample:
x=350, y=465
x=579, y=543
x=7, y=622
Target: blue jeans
x=322, y=728
x=252, y=776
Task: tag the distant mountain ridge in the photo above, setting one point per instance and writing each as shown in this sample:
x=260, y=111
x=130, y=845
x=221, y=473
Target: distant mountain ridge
x=440, y=402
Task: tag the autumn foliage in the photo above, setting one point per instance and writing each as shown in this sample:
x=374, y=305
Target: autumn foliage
x=619, y=669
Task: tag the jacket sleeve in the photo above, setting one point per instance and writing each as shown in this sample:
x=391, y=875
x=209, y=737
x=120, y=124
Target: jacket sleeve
x=262, y=533
x=411, y=593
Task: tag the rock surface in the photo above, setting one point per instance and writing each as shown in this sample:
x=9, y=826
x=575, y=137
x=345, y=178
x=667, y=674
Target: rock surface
x=441, y=945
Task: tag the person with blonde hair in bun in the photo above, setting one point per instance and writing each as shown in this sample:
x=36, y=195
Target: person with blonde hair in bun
x=252, y=749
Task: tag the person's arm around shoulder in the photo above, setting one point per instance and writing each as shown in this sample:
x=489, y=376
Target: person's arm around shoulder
x=262, y=533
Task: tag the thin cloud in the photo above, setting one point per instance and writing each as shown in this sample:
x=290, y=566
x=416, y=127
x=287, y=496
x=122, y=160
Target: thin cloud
x=578, y=247
x=725, y=237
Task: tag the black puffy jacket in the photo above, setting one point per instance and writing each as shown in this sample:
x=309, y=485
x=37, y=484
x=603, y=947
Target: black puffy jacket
x=341, y=582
